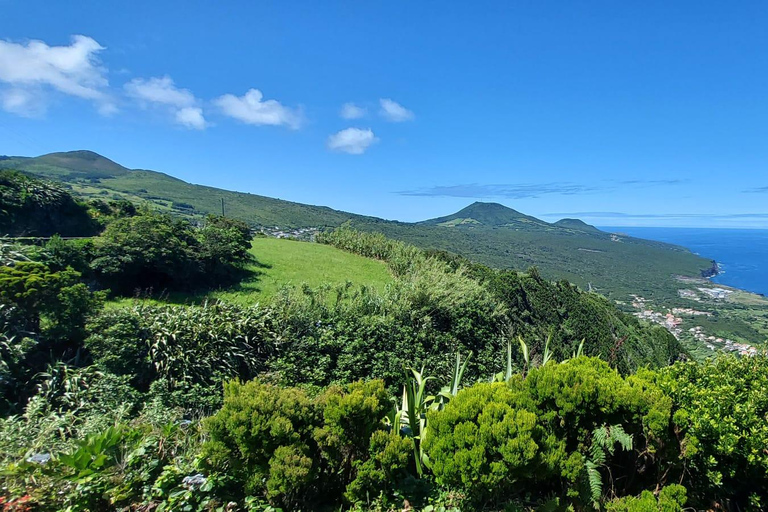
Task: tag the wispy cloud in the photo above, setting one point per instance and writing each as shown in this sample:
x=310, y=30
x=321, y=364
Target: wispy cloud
x=251, y=108
x=32, y=71
x=354, y=141
x=757, y=190
x=181, y=104
x=509, y=191
x=395, y=112
x=352, y=111
x=651, y=182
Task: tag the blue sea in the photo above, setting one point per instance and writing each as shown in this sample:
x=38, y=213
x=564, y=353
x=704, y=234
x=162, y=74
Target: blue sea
x=741, y=253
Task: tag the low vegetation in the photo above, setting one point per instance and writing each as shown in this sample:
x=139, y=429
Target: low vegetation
x=441, y=384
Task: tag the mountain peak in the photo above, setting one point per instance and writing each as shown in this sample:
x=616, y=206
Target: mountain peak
x=486, y=214
x=75, y=164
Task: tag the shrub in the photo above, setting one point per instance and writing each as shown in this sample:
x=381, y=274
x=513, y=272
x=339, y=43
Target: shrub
x=299, y=452
x=720, y=410
x=182, y=344
x=532, y=437
x=671, y=498
x=484, y=442
x=32, y=207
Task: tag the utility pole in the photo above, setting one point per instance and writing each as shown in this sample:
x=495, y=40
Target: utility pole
x=222, y=206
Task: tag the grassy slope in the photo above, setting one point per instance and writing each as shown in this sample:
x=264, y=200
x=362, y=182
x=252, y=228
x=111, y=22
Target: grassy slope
x=291, y=263
x=488, y=233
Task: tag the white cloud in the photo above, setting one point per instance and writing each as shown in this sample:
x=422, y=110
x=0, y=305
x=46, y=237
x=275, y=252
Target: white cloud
x=33, y=70
x=352, y=140
x=352, y=111
x=191, y=117
x=162, y=92
x=393, y=111
x=251, y=109
x=21, y=102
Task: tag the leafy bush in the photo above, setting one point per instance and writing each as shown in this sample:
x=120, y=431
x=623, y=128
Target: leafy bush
x=721, y=408
x=153, y=250
x=513, y=304
x=536, y=435
x=671, y=498
x=181, y=344
x=32, y=207
x=298, y=451
x=485, y=442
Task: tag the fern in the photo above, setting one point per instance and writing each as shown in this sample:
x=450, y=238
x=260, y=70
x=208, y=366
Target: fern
x=604, y=440
x=595, y=482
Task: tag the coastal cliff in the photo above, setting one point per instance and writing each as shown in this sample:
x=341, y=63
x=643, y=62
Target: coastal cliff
x=711, y=271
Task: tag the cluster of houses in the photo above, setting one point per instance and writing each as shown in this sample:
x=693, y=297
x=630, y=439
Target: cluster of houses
x=716, y=293
x=673, y=324
x=306, y=234
x=713, y=343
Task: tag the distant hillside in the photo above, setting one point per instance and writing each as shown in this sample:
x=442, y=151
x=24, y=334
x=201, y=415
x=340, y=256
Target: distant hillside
x=93, y=176
x=489, y=215
x=576, y=224
x=488, y=233
x=69, y=165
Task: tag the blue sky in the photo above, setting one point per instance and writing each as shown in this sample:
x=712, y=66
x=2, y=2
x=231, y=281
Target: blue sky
x=643, y=113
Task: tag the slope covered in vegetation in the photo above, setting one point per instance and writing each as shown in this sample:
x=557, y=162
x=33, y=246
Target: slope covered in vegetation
x=452, y=387
x=486, y=233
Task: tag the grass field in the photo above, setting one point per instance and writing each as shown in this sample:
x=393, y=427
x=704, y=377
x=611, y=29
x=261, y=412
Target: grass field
x=291, y=263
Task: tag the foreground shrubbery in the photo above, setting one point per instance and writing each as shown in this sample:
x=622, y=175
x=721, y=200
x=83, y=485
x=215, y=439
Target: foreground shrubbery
x=128, y=413
x=572, y=434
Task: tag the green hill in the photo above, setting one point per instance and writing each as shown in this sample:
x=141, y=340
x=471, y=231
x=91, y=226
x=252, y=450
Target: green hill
x=488, y=233
x=576, y=224
x=92, y=176
x=71, y=164
x=489, y=215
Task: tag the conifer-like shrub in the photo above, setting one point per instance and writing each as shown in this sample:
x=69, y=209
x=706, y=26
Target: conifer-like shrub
x=298, y=451
x=534, y=436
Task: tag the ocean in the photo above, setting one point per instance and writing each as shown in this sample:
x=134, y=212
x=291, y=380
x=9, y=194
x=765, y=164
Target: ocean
x=741, y=253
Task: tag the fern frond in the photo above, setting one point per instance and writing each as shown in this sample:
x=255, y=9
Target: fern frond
x=619, y=435
x=595, y=483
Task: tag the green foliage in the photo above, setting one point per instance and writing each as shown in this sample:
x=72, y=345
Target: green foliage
x=31, y=289
x=720, y=411
x=153, y=250
x=553, y=318
x=484, y=442
x=604, y=439
x=388, y=464
x=145, y=251
x=671, y=498
x=546, y=433
x=182, y=344
x=32, y=207
x=295, y=450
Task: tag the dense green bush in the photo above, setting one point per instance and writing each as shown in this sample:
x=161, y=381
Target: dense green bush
x=671, y=498
x=156, y=251
x=533, y=436
x=721, y=408
x=301, y=452
x=182, y=344
x=521, y=304
x=32, y=207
